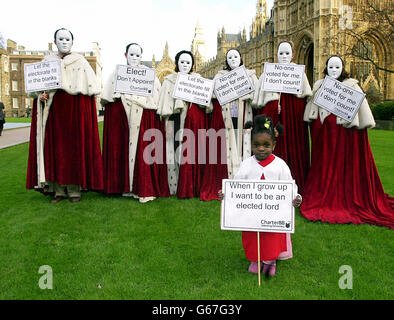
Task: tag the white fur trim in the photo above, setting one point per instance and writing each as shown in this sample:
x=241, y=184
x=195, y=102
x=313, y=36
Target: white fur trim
x=262, y=97
x=134, y=107
x=77, y=77
x=238, y=151
x=363, y=119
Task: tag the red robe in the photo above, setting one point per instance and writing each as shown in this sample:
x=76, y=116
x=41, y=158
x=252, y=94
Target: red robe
x=191, y=174
x=72, y=152
x=270, y=110
x=149, y=180
x=343, y=185
x=116, y=149
x=293, y=146
x=214, y=173
x=272, y=244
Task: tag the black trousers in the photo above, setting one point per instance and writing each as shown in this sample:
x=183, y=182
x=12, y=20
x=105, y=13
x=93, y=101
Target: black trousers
x=176, y=117
x=235, y=122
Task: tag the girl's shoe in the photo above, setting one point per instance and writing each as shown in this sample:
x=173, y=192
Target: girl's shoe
x=266, y=267
x=254, y=268
x=272, y=270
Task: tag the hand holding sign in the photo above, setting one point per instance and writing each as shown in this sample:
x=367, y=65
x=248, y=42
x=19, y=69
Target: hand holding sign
x=263, y=205
x=43, y=96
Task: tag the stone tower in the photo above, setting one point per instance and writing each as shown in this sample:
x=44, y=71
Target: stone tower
x=198, y=47
x=260, y=19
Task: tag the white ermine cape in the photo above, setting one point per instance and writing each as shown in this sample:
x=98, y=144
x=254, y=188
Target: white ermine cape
x=134, y=106
x=77, y=77
x=363, y=119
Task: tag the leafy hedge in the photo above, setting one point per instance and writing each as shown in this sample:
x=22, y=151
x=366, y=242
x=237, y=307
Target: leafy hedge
x=383, y=110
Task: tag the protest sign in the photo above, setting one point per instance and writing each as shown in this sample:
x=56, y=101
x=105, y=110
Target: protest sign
x=258, y=205
x=134, y=80
x=192, y=88
x=233, y=85
x=339, y=99
x=286, y=78
x=41, y=76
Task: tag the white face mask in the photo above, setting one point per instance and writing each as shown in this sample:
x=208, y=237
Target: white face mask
x=285, y=53
x=185, y=63
x=334, y=67
x=233, y=59
x=64, y=41
x=134, y=55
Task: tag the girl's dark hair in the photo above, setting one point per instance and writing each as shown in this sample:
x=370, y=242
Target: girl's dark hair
x=264, y=124
x=344, y=75
x=227, y=67
x=178, y=55
x=54, y=35
x=130, y=44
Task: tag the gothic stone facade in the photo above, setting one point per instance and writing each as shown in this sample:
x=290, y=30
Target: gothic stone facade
x=317, y=29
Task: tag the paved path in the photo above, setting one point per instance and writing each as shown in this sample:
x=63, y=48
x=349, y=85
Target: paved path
x=14, y=137
x=17, y=133
x=13, y=125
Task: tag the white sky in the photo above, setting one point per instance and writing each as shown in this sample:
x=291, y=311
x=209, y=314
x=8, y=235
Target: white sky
x=115, y=23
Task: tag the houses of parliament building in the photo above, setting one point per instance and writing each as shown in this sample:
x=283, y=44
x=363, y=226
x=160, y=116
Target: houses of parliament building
x=318, y=29
x=359, y=31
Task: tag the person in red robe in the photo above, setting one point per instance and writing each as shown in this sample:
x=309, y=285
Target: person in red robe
x=225, y=141
x=343, y=185
x=128, y=119
x=64, y=151
x=288, y=109
x=187, y=158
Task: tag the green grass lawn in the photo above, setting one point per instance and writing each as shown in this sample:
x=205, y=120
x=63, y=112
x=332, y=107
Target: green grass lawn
x=174, y=249
x=17, y=120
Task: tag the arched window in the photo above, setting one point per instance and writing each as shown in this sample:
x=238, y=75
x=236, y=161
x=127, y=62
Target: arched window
x=6, y=65
x=362, y=53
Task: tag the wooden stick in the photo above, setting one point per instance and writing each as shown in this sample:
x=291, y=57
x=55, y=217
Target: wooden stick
x=258, y=257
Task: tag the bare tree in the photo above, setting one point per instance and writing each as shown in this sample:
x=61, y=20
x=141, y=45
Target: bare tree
x=380, y=15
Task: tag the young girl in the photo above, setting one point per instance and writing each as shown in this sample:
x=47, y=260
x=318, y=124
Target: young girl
x=264, y=165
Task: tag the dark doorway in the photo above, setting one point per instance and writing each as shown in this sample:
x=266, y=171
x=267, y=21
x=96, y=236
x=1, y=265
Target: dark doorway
x=309, y=63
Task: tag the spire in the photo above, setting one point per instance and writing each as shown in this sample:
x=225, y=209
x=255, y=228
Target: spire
x=198, y=28
x=166, y=50
x=260, y=19
x=262, y=8
x=198, y=43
